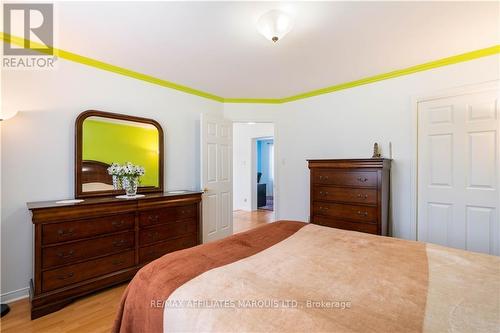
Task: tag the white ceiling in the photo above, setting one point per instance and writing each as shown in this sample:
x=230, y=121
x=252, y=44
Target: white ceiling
x=215, y=47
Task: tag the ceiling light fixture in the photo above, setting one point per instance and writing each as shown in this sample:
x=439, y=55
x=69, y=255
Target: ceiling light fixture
x=274, y=25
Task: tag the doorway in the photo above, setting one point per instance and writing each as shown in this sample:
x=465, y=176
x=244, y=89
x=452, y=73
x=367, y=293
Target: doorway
x=254, y=185
x=265, y=173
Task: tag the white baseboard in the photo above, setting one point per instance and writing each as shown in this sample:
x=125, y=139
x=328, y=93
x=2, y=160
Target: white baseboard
x=14, y=295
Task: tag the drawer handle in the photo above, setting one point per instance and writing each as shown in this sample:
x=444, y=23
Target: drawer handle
x=362, y=179
x=323, y=208
x=65, y=276
x=67, y=255
x=363, y=196
x=65, y=233
x=118, y=243
x=323, y=177
x=153, y=218
x=118, y=261
x=323, y=193
x=118, y=223
x=362, y=213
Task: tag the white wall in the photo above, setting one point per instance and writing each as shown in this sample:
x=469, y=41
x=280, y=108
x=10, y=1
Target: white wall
x=37, y=144
x=345, y=124
x=243, y=172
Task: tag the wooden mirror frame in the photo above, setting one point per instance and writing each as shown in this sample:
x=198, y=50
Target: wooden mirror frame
x=78, y=153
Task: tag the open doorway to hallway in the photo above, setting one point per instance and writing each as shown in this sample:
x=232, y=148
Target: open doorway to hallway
x=265, y=173
x=254, y=185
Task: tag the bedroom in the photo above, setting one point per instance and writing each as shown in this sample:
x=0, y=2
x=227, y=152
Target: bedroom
x=420, y=79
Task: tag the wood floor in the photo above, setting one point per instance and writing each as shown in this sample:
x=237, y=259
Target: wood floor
x=96, y=313
x=243, y=220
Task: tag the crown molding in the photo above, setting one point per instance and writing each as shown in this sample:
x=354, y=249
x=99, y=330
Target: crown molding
x=167, y=84
x=108, y=67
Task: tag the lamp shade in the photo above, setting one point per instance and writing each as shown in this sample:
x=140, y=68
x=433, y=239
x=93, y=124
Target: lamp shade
x=7, y=114
x=274, y=25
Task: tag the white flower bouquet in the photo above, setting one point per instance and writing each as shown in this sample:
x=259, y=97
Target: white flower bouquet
x=126, y=176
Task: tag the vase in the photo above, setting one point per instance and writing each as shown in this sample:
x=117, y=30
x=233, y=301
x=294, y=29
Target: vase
x=116, y=183
x=130, y=185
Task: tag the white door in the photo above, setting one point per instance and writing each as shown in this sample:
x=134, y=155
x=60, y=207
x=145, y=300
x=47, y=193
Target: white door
x=216, y=177
x=458, y=171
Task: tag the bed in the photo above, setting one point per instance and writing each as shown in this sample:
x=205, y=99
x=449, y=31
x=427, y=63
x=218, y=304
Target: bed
x=95, y=176
x=294, y=277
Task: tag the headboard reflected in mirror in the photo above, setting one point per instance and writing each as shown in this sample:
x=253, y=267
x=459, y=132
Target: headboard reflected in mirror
x=104, y=138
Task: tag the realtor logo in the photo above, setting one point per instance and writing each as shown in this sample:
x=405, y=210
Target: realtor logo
x=34, y=23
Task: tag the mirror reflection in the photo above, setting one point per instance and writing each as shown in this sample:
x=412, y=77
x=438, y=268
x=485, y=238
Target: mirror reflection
x=106, y=141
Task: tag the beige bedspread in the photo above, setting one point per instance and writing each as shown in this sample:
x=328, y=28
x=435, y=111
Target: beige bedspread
x=328, y=280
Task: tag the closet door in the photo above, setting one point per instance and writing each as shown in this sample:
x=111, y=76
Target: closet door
x=458, y=171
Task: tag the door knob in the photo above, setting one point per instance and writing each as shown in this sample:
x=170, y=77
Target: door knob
x=205, y=190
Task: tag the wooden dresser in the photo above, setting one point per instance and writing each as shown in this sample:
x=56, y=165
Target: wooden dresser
x=84, y=247
x=351, y=194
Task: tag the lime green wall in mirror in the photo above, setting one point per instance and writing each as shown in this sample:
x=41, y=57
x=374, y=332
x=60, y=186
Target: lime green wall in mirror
x=114, y=141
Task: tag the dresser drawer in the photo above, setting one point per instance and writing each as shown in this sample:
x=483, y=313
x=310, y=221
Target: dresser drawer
x=346, y=225
x=166, y=215
x=342, y=194
x=152, y=252
x=66, y=231
x=346, y=178
x=87, y=249
x=350, y=212
x=167, y=231
x=60, y=277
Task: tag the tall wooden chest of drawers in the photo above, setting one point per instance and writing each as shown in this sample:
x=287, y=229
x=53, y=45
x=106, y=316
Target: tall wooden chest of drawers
x=83, y=247
x=351, y=194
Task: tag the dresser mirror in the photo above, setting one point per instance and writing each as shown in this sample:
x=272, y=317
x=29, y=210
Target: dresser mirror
x=104, y=139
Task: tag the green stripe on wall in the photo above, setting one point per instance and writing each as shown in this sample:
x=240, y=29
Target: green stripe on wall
x=112, y=68
x=401, y=72
x=151, y=79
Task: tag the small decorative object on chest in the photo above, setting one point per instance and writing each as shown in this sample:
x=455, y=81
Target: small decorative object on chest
x=376, y=151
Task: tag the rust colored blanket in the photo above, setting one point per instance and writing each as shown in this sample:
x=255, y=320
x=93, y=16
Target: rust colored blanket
x=140, y=309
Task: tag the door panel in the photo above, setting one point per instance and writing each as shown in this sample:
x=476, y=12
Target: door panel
x=216, y=177
x=480, y=229
x=482, y=147
x=440, y=218
x=441, y=159
x=458, y=171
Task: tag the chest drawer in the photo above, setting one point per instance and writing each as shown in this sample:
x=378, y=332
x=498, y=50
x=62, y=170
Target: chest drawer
x=365, y=214
x=346, y=225
x=341, y=194
x=86, y=249
x=166, y=231
x=346, y=178
x=60, y=277
x=155, y=251
x=166, y=215
x=66, y=231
